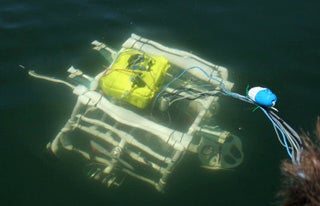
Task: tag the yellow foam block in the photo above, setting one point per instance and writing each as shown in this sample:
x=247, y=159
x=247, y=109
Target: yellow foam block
x=134, y=77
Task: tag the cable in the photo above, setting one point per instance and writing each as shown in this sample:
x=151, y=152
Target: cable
x=289, y=137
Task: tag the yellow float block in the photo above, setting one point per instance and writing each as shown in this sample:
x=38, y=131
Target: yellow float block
x=135, y=77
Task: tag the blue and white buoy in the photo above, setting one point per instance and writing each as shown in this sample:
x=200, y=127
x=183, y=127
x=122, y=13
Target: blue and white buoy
x=262, y=96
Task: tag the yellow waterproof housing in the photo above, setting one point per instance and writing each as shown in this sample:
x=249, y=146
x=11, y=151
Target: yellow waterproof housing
x=134, y=77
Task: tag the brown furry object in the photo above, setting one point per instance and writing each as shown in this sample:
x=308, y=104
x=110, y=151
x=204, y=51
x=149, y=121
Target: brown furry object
x=302, y=182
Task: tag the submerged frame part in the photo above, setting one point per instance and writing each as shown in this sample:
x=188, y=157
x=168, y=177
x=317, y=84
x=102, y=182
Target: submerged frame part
x=119, y=137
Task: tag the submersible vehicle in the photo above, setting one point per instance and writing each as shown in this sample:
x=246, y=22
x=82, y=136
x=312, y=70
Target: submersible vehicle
x=144, y=112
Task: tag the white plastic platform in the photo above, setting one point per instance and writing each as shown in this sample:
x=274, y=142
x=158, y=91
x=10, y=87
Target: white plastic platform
x=117, y=140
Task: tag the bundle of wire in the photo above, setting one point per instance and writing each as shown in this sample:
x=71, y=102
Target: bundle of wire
x=287, y=136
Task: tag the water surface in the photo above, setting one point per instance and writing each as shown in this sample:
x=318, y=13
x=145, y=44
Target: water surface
x=267, y=43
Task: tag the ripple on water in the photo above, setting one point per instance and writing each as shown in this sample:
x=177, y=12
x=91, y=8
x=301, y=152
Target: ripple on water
x=18, y=15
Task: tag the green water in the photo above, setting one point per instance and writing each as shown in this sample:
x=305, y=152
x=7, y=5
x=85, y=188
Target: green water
x=268, y=43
